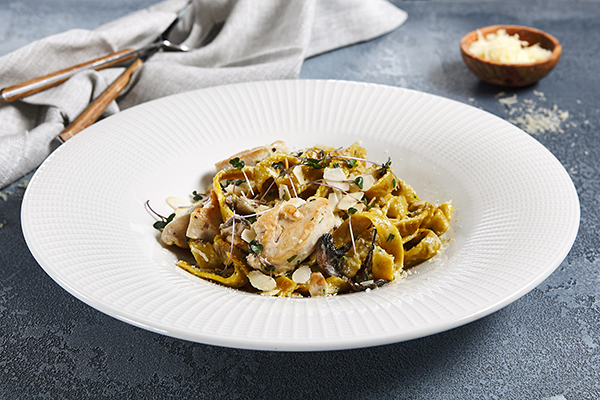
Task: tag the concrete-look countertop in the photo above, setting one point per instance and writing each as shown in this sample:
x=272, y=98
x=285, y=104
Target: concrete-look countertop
x=545, y=345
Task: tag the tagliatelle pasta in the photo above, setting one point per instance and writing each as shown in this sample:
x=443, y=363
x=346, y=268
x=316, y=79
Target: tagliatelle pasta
x=315, y=222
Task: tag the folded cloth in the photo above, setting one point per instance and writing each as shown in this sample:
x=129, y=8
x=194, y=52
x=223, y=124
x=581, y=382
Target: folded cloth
x=259, y=41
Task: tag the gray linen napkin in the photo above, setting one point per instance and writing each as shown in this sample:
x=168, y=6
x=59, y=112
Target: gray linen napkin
x=261, y=40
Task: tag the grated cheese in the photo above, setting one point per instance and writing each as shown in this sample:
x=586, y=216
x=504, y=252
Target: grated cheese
x=504, y=48
x=508, y=101
x=533, y=119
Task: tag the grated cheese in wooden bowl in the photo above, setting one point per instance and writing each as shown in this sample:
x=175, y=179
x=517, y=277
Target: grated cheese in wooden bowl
x=501, y=47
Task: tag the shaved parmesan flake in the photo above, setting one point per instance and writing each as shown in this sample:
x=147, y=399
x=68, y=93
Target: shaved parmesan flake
x=336, y=178
x=350, y=200
x=248, y=235
x=321, y=146
x=261, y=281
x=284, y=192
x=343, y=186
x=337, y=221
x=334, y=198
x=297, y=171
x=297, y=202
x=302, y=274
x=179, y=205
x=334, y=174
x=368, y=182
x=177, y=202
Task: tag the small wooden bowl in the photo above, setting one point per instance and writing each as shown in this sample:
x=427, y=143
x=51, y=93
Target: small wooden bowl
x=512, y=75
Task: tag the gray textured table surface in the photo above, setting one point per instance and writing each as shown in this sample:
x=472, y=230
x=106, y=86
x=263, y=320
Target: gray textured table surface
x=545, y=345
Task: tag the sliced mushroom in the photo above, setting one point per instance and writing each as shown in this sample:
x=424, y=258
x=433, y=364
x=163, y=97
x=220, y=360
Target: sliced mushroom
x=242, y=204
x=367, y=264
x=232, y=231
x=329, y=257
x=372, y=284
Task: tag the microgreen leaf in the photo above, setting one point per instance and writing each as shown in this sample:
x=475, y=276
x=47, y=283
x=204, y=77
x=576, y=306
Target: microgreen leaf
x=163, y=222
x=385, y=167
x=196, y=196
x=359, y=182
x=351, y=163
x=314, y=163
x=255, y=247
x=269, y=268
x=237, y=163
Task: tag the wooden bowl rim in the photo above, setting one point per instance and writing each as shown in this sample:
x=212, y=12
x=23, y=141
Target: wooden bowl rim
x=556, y=51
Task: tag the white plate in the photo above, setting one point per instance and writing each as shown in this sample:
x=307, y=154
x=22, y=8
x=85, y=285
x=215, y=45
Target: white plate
x=84, y=218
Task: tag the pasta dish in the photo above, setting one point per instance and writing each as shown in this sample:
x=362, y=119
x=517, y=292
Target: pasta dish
x=316, y=222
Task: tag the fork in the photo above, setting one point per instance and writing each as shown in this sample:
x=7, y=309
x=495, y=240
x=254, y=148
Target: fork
x=169, y=38
x=97, y=107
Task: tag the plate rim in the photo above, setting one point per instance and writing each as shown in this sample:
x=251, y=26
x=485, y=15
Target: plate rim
x=325, y=344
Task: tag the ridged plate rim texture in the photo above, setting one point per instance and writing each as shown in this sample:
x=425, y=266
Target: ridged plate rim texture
x=84, y=219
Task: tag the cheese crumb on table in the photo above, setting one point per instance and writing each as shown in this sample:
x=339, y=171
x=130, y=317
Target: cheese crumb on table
x=532, y=118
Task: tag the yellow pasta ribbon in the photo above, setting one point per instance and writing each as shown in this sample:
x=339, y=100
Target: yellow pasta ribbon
x=231, y=173
x=388, y=238
x=424, y=246
x=236, y=280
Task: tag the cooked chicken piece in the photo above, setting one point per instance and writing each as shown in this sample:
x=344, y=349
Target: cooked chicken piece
x=178, y=230
x=174, y=232
x=289, y=232
x=253, y=156
x=317, y=285
x=204, y=222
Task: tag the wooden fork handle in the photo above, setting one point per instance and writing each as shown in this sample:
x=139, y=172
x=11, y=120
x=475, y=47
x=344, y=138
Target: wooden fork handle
x=36, y=85
x=94, y=110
